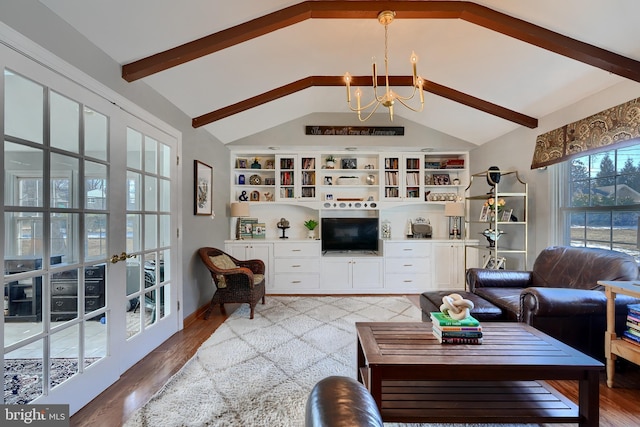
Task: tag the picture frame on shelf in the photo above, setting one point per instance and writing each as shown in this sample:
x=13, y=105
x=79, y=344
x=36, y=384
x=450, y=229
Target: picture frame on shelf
x=349, y=163
x=258, y=230
x=241, y=163
x=484, y=214
x=441, y=179
x=246, y=227
x=506, y=215
x=269, y=164
x=495, y=263
x=328, y=180
x=254, y=196
x=203, y=188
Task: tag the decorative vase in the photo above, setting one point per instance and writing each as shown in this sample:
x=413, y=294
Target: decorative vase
x=331, y=164
x=492, y=236
x=311, y=234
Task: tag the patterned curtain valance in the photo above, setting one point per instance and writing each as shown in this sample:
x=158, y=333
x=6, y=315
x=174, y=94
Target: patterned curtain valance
x=620, y=124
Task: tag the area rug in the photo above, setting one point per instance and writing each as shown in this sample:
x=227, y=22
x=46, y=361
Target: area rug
x=259, y=372
x=23, y=377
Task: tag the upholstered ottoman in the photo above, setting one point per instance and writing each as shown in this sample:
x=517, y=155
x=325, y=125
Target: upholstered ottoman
x=483, y=310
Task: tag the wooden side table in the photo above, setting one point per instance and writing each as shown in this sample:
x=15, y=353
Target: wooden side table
x=613, y=346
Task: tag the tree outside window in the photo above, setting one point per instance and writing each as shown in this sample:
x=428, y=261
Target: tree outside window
x=603, y=200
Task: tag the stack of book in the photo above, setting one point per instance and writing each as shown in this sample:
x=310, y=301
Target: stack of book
x=632, y=334
x=448, y=330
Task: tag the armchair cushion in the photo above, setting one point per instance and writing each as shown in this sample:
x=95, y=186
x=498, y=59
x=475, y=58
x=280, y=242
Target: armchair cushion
x=223, y=262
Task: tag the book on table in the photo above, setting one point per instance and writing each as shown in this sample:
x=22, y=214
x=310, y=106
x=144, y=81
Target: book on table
x=446, y=320
x=453, y=331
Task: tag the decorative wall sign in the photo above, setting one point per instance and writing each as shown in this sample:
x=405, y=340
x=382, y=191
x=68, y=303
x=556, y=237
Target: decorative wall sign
x=203, y=188
x=620, y=124
x=355, y=130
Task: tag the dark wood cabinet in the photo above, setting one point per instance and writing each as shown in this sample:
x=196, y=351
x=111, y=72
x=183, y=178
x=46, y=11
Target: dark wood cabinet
x=64, y=292
x=23, y=298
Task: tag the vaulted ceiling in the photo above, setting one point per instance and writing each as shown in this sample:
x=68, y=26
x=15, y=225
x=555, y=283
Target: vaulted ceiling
x=238, y=68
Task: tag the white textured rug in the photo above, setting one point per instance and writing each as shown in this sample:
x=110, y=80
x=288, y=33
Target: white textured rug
x=259, y=372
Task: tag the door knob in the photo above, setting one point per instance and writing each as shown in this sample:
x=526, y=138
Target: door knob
x=123, y=256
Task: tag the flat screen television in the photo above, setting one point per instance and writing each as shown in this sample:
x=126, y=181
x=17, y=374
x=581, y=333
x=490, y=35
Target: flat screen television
x=349, y=234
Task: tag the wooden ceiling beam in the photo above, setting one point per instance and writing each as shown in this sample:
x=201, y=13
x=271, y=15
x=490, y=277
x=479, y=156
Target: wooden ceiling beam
x=468, y=11
x=312, y=81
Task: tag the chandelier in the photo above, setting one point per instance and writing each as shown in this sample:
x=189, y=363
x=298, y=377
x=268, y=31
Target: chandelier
x=389, y=97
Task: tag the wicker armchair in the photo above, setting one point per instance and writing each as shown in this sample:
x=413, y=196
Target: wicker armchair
x=236, y=281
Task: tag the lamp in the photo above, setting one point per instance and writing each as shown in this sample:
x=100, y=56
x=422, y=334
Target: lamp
x=389, y=97
x=239, y=210
x=454, y=211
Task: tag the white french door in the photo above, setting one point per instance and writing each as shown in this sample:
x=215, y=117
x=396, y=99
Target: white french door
x=90, y=245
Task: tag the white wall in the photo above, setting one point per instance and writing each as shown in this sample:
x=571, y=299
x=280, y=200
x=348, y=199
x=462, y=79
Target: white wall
x=515, y=151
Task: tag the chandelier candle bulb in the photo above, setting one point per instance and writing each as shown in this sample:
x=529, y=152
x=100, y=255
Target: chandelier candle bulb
x=347, y=80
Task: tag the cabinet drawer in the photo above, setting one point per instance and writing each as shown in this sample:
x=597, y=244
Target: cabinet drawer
x=64, y=287
x=406, y=265
x=407, y=249
x=296, y=265
x=419, y=282
x=296, y=249
x=291, y=282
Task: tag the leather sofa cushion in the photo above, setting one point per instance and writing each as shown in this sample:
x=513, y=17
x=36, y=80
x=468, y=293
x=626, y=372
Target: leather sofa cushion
x=508, y=299
x=580, y=268
x=339, y=401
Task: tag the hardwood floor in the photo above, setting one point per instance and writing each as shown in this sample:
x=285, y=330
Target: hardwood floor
x=618, y=406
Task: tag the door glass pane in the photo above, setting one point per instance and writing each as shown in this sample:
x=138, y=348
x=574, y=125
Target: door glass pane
x=165, y=195
x=64, y=362
x=134, y=149
x=150, y=193
x=150, y=231
x=25, y=364
x=150, y=155
x=165, y=230
x=23, y=175
x=95, y=236
x=23, y=108
x=96, y=343
x=164, y=151
x=133, y=233
x=95, y=134
x=65, y=236
x=65, y=123
x=134, y=195
x=23, y=235
x=23, y=303
x=94, y=288
x=64, y=174
x=95, y=185
x=64, y=295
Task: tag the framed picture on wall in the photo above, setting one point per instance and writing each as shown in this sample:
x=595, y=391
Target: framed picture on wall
x=203, y=188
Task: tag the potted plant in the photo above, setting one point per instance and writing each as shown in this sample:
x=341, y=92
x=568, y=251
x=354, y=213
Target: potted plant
x=330, y=161
x=311, y=225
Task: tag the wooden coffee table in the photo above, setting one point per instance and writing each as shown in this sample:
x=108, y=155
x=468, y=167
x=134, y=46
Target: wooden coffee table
x=415, y=379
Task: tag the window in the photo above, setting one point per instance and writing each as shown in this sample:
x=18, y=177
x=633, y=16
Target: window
x=602, y=202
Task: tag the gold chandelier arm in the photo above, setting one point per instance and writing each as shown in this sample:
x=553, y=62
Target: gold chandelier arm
x=368, y=115
x=362, y=108
x=417, y=110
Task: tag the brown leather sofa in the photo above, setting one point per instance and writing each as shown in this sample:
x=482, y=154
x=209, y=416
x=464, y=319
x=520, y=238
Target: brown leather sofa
x=339, y=401
x=560, y=296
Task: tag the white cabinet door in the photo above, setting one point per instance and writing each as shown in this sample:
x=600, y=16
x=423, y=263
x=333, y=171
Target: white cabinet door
x=336, y=274
x=351, y=273
x=248, y=250
x=366, y=273
x=448, y=265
